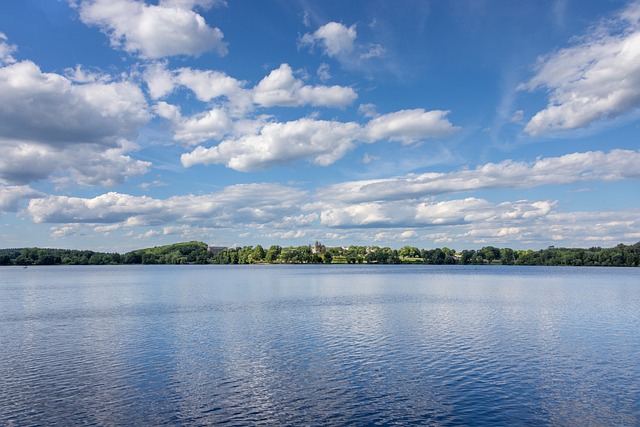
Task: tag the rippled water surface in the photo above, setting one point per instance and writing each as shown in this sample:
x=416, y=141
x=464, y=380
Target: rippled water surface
x=319, y=345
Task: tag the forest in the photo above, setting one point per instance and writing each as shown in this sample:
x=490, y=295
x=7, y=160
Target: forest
x=179, y=253
x=200, y=253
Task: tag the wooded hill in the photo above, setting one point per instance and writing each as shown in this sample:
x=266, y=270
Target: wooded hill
x=199, y=253
x=179, y=253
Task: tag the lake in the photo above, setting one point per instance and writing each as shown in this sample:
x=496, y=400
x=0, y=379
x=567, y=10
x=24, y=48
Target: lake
x=319, y=345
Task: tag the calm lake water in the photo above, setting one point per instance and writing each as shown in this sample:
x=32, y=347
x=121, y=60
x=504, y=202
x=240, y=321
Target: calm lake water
x=319, y=345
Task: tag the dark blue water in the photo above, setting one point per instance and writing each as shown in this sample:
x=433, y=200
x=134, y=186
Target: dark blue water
x=319, y=345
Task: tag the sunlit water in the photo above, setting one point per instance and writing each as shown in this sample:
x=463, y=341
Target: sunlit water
x=319, y=345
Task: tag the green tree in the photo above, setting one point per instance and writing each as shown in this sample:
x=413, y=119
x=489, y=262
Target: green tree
x=273, y=253
x=258, y=254
x=466, y=256
x=490, y=253
x=409, y=252
x=507, y=256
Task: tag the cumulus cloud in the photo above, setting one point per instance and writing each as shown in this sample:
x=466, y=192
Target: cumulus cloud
x=190, y=4
x=408, y=126
x=473, y=221
x=338, y=41
x=278, y=143
x=50, y=125
x=335, y=38
x=86, y=164
x=597, y=78
x=273, y=211
x=81, y=74
x=238, y=204
x=567, y=169
x=421, y=213
x=278, y=89
x=207, y=85
x=49, y=107
x=6, y=50
x=154, y=31
x=201, y=127
x=281, y=88
x=572, y=229
x=368, y=110
x=395, y=236
x=291, y=234
x=160, y=81
x=210, y=84
x=595, y=227
x=13, y=196
x=322, y=141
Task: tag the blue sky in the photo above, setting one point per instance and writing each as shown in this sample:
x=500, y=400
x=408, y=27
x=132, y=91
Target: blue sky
x=128, y=124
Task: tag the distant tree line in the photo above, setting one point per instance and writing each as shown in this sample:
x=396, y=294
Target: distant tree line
x=619, y=256
x=199, y=253
x=179, y=253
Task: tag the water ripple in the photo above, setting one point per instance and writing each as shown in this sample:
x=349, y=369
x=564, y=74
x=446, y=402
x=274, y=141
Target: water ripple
x=299, y=346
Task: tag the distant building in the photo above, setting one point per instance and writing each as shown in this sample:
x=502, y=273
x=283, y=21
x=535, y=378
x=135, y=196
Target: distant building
x=215, y=250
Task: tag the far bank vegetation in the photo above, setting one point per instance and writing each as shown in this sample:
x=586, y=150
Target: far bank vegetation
x=200, y=253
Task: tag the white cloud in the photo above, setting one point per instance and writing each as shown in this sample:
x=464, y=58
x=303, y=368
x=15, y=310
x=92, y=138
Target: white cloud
x=147, y=235
x=50, y=125
x=373, y=51
x=340, y=42
x=274, y=211
x=322, y=141
x=147, y=185
x=154, y=31
x=567, y=169
x=597, y=78
x=408, y=126
x=159, y=80
x=368, y=110
x=337, y=40
x=84, y=165
x=291, y=234
x=472, y=221
x=572, y=229
x=392, y=236
x=107, y=208
x=208, y=85
x=6, y=50
x=201, y=127
x=323, y=72
x=13, y=196
x=237, y=205
x=278, y=143
x=281, y=88
x=80, y=74
x=48, y=107
x=408, y=234
x=190, y=4
x=65, y=231
x=416, y=213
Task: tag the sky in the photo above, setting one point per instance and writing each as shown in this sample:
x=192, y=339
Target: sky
x=127, y=124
